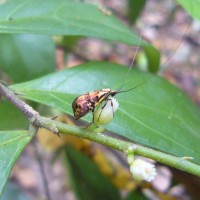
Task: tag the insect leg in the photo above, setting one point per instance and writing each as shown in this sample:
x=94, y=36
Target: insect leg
x=112, y=107
x=102, y=110
x=93, y=116
x=93, y=108
x=104, y=107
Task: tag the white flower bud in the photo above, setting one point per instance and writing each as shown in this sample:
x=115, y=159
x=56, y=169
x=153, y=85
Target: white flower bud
x=105, y=115
x=142, y=170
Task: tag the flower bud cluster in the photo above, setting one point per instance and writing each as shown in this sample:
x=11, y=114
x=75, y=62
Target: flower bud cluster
x=140, y=169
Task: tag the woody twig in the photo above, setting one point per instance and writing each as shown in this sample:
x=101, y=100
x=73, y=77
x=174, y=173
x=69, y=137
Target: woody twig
x=181, y=163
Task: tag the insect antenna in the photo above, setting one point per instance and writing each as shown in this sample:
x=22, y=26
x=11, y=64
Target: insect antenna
x=162, y=64
x=131, y=66
x=133, y=59
x=165, y=62
x=135, y=85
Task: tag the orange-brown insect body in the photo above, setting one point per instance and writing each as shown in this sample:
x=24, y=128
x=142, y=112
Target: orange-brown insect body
x=88, y=102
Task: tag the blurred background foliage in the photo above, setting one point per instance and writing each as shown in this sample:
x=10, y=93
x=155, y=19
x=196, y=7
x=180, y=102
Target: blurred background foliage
x=76, y=168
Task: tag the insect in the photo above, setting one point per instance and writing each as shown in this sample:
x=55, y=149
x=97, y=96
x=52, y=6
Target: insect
x=91, y=100
x=88, y=102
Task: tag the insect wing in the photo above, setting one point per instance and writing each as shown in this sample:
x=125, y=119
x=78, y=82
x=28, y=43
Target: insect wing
x=80, y=106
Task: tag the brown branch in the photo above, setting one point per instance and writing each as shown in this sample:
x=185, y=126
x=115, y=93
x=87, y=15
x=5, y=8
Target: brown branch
x=181, y=163
x=33, y=116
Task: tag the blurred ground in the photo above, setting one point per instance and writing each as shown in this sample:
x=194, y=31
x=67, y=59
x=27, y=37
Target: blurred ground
x=176, y=35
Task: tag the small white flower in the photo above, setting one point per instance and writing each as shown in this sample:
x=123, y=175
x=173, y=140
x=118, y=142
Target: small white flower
x=105, y=115
x=142, y=170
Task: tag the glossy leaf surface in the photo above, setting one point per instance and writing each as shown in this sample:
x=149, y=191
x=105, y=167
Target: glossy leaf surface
x=192, y=7
x=24, y=57
x=11, y=145
x=155, y=114
x=11, y=118
x=64, y=17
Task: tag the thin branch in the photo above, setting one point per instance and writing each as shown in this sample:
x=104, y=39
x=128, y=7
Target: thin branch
x=181, y=163
x=32, y=115
x=29, y=112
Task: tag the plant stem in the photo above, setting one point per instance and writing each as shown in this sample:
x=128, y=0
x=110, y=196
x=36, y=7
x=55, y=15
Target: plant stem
x=123, y=146
x=120, y=145
x=32, y=115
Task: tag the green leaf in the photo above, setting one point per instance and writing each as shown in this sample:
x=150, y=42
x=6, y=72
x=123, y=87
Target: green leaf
x=153, y=58
x=67, y=42
x=63, y=17
x=87, y=180
x=155, y=114
x=135, y=7
x=192, y=7
x=137, y=195
x=11, y=117
x=11, y=145
x=25, y=57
